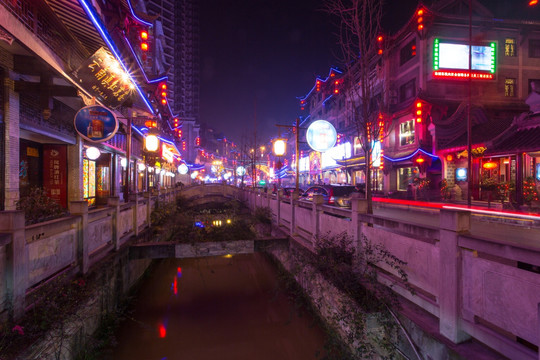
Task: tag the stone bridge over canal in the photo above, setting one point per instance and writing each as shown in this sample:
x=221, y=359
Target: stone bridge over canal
x=165, y=250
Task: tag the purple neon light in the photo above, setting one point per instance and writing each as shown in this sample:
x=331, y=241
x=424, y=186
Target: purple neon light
x=105, y=35
x=410, y=156
x=136, y=17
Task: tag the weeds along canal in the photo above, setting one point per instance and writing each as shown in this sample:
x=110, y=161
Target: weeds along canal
x=229, y=307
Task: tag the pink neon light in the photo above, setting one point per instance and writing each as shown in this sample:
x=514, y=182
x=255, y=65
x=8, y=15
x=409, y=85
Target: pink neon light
x=476, y=209
x=462, y=75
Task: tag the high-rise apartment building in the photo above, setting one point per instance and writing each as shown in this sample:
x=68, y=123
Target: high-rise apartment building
x=178, y=28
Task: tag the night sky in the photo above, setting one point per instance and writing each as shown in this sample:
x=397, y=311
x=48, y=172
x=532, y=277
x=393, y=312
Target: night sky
x=258, y=56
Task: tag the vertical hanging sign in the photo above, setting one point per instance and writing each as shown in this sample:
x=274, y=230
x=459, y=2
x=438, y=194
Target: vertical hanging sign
x=55, y=172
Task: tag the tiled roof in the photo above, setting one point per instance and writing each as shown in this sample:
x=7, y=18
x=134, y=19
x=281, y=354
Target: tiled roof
x=487, y=124
x=523, y=136
x=524, y=140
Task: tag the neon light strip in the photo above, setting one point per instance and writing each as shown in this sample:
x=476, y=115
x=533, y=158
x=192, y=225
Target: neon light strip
x=136, y=17
x=462, y=75
x=149, y=81
x=410, y=156
x=318, y=78
x=436, y=55
x=490, y=212
x=110, y=44
x=328, y=98
x=493, y=61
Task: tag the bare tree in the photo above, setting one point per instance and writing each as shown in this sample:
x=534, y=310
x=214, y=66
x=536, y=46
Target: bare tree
x=361, y=42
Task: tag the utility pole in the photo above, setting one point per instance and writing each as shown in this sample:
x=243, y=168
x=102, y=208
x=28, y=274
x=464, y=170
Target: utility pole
x=296, y=129
x=469, y=120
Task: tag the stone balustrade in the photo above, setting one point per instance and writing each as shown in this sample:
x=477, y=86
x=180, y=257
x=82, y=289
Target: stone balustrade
x=34, y=254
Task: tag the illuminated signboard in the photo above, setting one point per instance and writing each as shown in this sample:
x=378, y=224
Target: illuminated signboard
x=339, y=152
x=321, y=135
x=376, y=154
x=166, y=153
x=102, y=76
x=461, y=174
x=95, y=123
x=240, y=171
x=304, y=164
x=451, y=60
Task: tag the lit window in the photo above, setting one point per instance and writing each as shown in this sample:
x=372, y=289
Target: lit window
x=406, y=133
x=510, y=47
x=510, y=87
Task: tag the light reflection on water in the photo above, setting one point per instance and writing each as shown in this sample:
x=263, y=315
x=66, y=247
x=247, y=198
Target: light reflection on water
x=216, y=308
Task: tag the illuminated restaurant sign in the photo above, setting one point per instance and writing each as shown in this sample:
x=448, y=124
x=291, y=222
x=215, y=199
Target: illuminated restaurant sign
x=102, y=77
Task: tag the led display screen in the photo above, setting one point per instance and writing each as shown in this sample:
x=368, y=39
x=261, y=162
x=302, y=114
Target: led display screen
x=451, y=60
x=456, y=56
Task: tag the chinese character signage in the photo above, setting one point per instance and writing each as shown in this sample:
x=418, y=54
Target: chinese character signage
x=102, y=76
x=55, y=172
x=96, y=123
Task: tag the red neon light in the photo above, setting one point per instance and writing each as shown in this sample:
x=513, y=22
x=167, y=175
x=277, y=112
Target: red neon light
x=175, y=286
x=461, y=75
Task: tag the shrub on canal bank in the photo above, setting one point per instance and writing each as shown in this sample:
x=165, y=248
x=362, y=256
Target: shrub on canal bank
x=341, y=281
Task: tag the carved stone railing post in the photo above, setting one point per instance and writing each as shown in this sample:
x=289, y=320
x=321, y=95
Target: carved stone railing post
x=279, y=195
x=80, y=208
x=148, y=198
x=294, y=204
x=12, y=223
x=114, y=203
x=452, y=224
x=318, y=201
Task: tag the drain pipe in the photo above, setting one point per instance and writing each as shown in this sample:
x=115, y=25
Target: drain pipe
x=406, y=334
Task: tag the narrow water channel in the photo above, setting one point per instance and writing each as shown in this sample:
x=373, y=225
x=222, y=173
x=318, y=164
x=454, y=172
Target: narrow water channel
x=216, y=308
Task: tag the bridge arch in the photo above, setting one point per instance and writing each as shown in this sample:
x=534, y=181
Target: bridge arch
x=201, y=194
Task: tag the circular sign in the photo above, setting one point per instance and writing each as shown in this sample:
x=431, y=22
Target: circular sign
x=183, y=169
x=240, y=171
x=321, y=135
x=95, y=123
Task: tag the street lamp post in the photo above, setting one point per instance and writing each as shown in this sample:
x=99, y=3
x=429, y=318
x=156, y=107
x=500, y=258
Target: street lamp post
x=296, y=129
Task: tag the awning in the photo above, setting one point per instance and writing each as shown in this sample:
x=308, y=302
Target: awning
x=355, y=161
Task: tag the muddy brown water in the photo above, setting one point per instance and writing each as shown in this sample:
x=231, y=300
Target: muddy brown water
x=216, y=308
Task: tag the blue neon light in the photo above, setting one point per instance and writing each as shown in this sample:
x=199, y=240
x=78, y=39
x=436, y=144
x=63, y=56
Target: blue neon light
x=306, y=119
x=105, y=35
x=318, y=78
x=410, y=156
x=136, y=17
x=328, y=98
